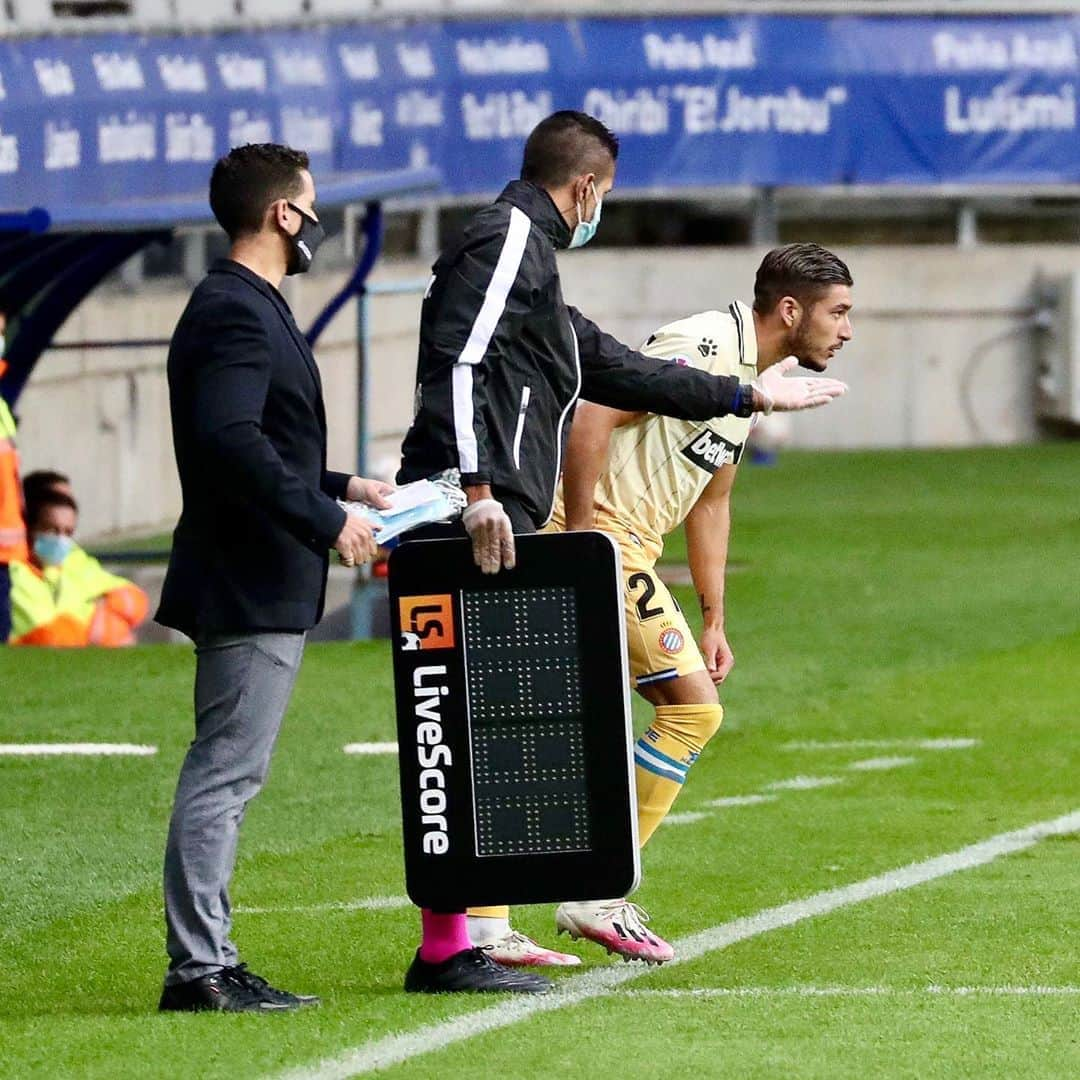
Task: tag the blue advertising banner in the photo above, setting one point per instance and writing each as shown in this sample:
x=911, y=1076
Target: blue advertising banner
x=697, y=101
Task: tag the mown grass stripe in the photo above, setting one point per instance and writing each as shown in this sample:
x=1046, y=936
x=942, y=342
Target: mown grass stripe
x=600, y=982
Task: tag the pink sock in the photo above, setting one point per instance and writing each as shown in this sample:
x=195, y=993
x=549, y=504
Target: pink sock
x=443, y=935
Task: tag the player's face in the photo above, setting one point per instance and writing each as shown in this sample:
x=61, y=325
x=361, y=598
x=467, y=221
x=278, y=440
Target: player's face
x=822, y=329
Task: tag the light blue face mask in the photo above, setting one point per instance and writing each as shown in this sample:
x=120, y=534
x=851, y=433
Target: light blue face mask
x=52, y=548
x=586, y=230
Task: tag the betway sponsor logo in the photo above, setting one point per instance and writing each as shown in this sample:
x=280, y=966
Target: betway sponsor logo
x=978, y=52
x=119, y=71
x=432, y=755
x=709, y=451
x=54, y=77
x=505, y=115
x=1004, y=110
x=182, y=74
x=492, y=56
x=674, y=52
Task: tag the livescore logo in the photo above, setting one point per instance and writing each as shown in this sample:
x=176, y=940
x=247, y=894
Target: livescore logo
x=427, y=622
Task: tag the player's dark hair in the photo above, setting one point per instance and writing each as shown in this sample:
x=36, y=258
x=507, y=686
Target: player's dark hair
x=45, y=500
x=804, y=271
x=565, y=145
x=35, y=484
x=248, y=179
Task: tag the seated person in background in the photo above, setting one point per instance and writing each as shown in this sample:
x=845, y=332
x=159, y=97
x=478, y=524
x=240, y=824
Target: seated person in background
x=61, y=596
x=40, y=481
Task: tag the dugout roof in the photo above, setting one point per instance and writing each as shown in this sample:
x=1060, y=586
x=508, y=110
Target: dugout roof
x=52, y=258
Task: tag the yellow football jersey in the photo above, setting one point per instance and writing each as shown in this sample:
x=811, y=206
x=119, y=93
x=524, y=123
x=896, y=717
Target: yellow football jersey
x=658, y=466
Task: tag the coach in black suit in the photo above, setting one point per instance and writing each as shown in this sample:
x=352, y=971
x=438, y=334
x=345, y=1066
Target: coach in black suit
x=247, y=574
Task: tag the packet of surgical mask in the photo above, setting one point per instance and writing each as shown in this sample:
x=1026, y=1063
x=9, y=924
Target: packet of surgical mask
x=423, y=502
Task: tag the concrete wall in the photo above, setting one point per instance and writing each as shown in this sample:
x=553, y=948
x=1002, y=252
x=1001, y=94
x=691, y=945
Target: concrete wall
x=102, y=416
x=942, y=357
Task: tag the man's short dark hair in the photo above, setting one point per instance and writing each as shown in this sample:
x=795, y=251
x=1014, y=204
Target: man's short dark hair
x=804, y=271
x=565, y=145
x=36, y=483
x=248, y=179
x=45, y=500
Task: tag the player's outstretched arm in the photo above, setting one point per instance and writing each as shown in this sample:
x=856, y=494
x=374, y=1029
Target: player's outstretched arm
x=708, y=527
x=793, y=393
x=615, y=375
x=586, y=455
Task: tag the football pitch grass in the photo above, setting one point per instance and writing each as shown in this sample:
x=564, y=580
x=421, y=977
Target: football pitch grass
x=907, y=636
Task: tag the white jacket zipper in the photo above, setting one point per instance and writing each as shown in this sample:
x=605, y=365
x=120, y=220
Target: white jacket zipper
x=526, y=393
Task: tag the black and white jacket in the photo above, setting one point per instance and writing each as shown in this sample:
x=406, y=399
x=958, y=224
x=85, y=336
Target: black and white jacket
x=503, y=360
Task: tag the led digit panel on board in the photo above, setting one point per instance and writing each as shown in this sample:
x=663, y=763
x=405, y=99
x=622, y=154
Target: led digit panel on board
x=513, y=723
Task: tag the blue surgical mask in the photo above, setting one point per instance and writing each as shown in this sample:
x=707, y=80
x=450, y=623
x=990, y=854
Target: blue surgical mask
x=52, y=548
x=586, y=230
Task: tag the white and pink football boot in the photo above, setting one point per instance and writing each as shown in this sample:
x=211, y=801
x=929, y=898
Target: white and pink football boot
x=617, y=925
x=514, y=949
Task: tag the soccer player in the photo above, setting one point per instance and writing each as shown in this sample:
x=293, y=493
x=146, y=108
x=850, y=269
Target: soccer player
x=638, y=476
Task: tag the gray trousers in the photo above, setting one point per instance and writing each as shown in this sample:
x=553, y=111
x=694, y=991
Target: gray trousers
x=242, y=686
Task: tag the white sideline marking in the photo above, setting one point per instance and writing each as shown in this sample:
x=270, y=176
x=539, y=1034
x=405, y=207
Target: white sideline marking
x=803, y=783
x=81, y=749
x=857, y=991
x=369, y=903
x=687, y=818
x=394, y=1049
x=881, y=764
x=741, y=800
x=370, y=748
x=884, y=744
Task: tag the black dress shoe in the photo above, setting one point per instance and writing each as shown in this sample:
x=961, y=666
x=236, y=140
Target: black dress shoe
x=261, y=986
x=221, y=991
x=471, y=970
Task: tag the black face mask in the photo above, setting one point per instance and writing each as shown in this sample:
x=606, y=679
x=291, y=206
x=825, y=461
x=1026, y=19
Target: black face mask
x=304, y=243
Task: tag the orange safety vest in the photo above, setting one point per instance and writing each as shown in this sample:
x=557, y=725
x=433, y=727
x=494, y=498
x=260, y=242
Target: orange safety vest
x=12, y=527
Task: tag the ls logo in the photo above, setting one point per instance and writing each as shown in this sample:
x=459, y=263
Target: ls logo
x=427, y=622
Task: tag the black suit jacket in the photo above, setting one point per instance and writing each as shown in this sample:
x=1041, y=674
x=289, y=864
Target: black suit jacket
x=250, y=551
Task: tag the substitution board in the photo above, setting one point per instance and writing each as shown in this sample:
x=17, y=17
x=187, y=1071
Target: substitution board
x=513, y=711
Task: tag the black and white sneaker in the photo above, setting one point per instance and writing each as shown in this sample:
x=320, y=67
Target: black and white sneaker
x=232, y=989
x=471, y=971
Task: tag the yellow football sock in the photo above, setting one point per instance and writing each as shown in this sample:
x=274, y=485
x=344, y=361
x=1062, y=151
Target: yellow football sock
x=489, y=912
x=663, y=756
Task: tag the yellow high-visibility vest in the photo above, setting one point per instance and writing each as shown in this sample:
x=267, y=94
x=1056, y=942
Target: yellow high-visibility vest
x=54, y=606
